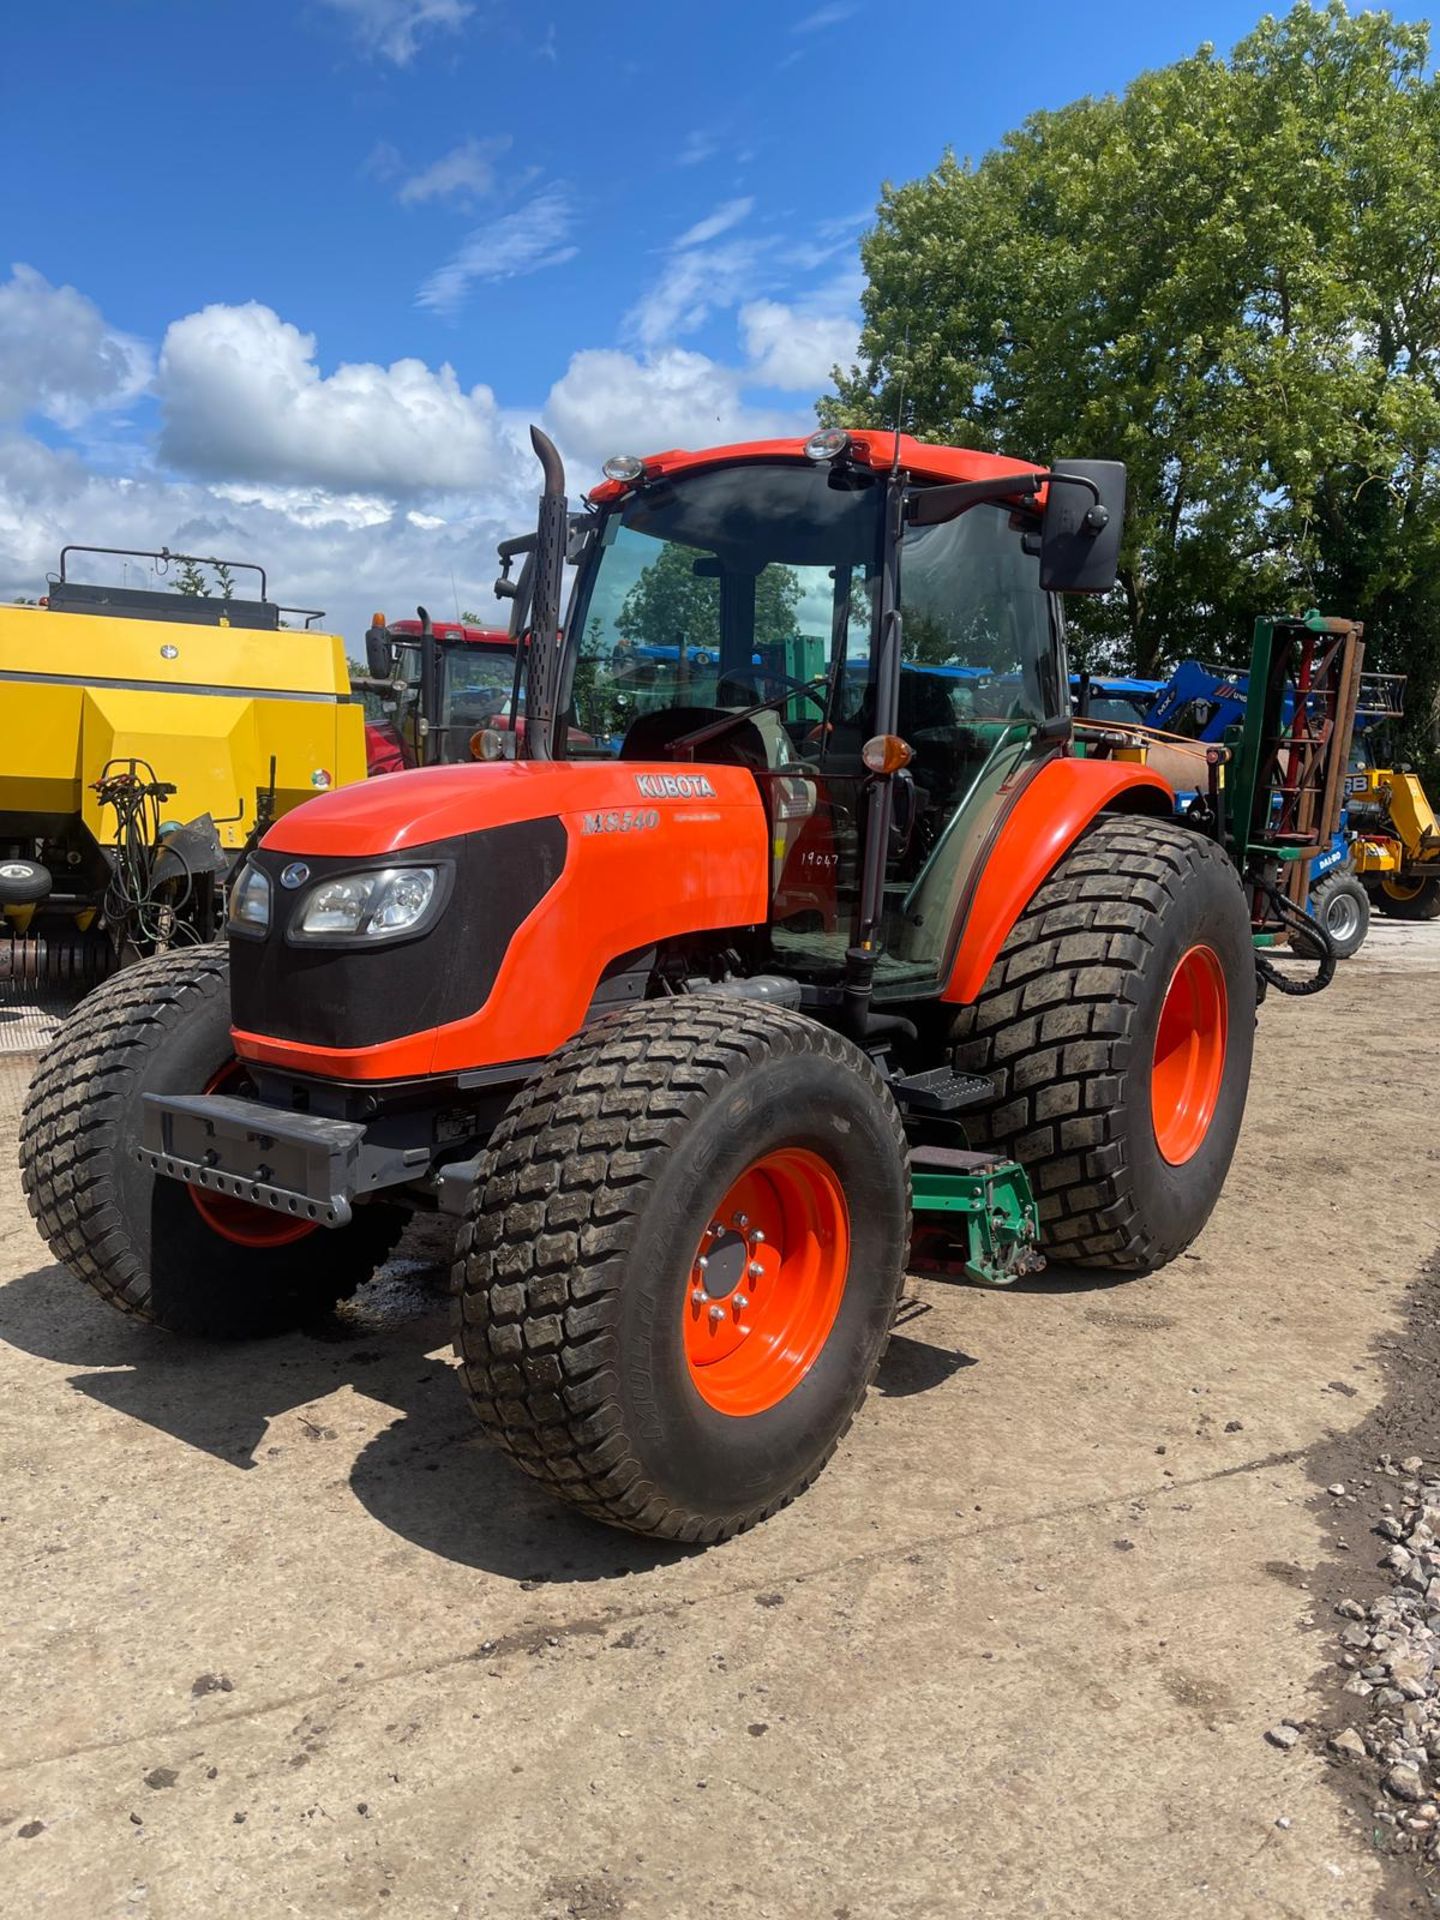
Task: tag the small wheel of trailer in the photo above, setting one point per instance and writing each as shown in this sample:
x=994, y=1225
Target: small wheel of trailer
x=678, y=1273
x=23, y=883
x=1117, y=1027
x=193, y=1262
x=1342, y=906
x=1407, y=899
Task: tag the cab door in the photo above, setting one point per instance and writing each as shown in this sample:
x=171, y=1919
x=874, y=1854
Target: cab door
x=983, y=701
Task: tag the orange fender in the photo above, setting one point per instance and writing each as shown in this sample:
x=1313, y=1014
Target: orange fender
x=1050, y=813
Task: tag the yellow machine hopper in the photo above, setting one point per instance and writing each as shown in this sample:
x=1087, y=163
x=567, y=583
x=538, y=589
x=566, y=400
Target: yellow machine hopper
x=150, y=737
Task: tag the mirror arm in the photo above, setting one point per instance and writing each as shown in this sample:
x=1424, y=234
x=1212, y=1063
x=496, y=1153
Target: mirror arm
x=932, y=506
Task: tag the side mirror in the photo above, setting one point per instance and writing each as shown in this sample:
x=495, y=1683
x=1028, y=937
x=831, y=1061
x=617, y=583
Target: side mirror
x=1080, y=533
x=377, y=653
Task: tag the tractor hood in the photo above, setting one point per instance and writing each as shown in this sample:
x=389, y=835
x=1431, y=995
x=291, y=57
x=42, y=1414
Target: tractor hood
x=433, y=803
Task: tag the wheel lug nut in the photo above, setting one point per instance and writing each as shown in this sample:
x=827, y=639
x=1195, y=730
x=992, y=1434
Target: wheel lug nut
x=699, y=1297
x=758, y=1237
x=702, y=1262
x=740, y=1302
x=716, y=1313
x=755, y=1270
x=715, y=1229
x=742, y=1220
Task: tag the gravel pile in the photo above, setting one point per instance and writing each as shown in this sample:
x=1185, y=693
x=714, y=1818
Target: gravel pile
x=1390, y=1650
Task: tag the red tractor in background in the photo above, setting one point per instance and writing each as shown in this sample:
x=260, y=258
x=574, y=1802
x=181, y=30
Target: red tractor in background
x=683, y=1099
x=431, y=687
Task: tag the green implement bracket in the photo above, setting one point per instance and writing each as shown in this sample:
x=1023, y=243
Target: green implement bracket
x=982, y=1204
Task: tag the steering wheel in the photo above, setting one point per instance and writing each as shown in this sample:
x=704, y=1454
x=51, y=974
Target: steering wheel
x=715, y=729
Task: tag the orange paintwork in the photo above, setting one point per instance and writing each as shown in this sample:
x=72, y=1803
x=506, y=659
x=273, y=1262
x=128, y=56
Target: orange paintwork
x=1047, y=818
x=871, y=449
x=751, y=1342
x=1189, y=1060
x=691, y=865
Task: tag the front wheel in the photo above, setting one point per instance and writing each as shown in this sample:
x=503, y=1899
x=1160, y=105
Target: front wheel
x=1342, y=906
x=1117, y=1027
x=1407, y=899
x=680, y=1269
x=193, y=1262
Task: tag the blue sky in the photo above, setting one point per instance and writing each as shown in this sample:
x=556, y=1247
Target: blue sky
x=291, y=277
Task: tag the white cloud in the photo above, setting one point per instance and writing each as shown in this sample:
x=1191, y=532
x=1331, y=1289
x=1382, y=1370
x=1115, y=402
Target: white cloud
x=612, y=402
x=698, y=278
x=58, y=358
x=727, y=215
x=244, y=399
x=793, y=348
x=697, y=145
x=828, y=16
x=466, y=172
x=338, y=552
x=393, y=29
x=531, y=238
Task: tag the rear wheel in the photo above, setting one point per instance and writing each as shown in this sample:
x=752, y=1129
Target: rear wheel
x=1117, y=1027
x=1407, y=899
x=678, y=1275
x=1342, y=906
x=193, y=1262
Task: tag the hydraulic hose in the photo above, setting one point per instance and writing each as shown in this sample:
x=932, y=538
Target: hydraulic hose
x=1298, y=921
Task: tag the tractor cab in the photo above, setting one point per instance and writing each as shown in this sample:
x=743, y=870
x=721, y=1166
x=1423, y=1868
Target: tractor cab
x=432, y=686
x=868, y=629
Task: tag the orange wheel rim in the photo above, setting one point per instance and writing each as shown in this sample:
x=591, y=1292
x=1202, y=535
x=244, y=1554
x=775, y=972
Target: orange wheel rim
x=766, y=1282
x=1189, y=1062
x=235, y=1220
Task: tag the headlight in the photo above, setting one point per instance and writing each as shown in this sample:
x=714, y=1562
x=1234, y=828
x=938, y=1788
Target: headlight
x=378, y=905
x=250, y=901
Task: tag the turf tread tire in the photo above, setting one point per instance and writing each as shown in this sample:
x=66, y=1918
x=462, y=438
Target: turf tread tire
x=1055, y=1031
x=78, y=1124
x=541, y=1259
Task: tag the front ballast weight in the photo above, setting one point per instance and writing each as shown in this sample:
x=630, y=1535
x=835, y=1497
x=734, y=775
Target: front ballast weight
x=976, y=1217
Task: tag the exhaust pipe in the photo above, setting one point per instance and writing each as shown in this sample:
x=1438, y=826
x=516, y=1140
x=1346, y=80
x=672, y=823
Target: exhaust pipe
x=542, y=682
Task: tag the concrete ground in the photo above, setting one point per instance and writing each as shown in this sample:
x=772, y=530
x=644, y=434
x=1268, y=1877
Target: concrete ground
x=282, y=1636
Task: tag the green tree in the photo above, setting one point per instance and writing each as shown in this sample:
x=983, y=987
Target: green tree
x=671, y=602
x=224, y=581
x=1227, y=278
x=191, y=581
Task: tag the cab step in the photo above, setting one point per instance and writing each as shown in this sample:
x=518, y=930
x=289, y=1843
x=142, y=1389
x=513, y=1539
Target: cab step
x=940, y=1090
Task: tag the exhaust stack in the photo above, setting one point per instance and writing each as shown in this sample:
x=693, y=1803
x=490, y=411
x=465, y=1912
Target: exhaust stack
x=542, y=685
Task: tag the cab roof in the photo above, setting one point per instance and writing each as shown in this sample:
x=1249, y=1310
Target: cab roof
x=868, y=447
x=455, y=630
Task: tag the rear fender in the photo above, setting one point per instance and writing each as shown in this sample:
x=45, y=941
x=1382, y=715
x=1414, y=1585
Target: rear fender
x=1046, y=818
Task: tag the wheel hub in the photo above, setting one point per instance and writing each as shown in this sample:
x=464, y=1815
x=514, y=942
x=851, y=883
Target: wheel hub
x=1189, y=1061
x=766, y=1282
x=1342, y=916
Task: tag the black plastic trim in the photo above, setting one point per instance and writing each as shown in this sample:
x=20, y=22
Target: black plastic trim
x=367, y=992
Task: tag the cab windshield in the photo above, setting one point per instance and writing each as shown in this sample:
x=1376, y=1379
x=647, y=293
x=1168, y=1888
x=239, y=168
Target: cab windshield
x=715, y=593
x=476, y=682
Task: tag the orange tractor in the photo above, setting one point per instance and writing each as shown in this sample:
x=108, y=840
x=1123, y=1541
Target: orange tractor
x=709, y=1000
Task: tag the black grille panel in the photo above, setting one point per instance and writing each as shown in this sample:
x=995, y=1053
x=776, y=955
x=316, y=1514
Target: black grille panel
x=358, y=997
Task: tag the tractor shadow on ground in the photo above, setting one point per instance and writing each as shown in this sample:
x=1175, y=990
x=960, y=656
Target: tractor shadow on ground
x=428, y=1476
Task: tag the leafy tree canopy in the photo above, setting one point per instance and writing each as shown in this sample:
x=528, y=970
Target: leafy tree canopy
x=670, y=601
x=1227, y=278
